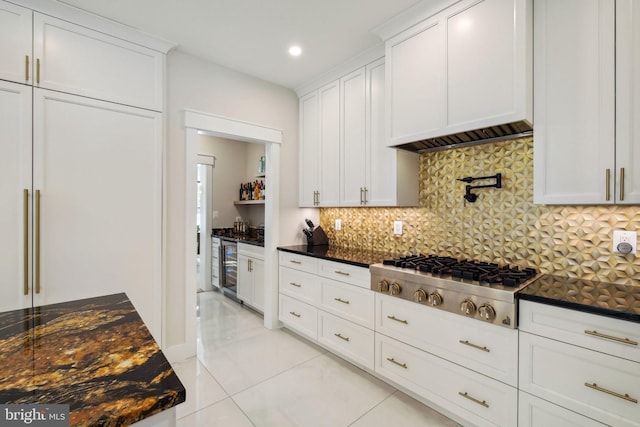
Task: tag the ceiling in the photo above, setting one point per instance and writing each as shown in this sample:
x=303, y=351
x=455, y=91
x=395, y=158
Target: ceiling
x=253, y=36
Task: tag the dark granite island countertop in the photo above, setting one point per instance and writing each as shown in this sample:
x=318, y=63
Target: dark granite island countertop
x=95, y=355
x=357, y=257
x=606, y=299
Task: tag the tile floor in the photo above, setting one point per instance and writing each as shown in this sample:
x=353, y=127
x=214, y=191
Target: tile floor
x=247, y=375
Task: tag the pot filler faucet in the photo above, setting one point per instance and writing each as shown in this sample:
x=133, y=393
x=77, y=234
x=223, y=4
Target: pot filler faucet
x=472, y=197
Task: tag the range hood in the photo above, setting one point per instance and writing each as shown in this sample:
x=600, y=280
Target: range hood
x=472, y=137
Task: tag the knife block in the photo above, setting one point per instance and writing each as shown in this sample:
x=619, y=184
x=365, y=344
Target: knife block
x=319, y=237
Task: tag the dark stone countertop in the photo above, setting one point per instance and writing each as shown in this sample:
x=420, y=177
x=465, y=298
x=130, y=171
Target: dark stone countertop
x=223, y=234
x=95, y=355
x=357, y=257
x=606, y=299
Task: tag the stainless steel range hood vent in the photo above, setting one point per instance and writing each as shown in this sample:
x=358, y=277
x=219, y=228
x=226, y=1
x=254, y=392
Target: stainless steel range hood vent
x=473, y=137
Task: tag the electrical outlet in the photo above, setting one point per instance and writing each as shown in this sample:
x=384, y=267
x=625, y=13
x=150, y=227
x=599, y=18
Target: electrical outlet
x=338, y=225
x=397, y=228
x=624, y=242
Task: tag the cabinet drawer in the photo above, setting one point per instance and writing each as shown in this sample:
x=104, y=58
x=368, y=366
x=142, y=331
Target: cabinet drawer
x=252, y=251
x=347, y=301
x=358, y=276
x=479, y=399
x=488, y=349
x=579, y=379
x=299, y=316
x=535, y=412
x=612, y=336
x=347, y=339
x=300, y=285
x=299, y=262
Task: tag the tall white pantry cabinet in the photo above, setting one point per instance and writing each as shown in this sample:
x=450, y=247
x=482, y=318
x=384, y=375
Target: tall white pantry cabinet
x=81, y=142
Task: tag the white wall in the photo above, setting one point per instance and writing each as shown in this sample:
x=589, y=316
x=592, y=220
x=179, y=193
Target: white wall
x=210, y=88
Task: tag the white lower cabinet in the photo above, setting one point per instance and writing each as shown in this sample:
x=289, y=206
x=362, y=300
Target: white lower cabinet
x=581, y=362
x=251, y=275
x=474, y=397
x=536, y=412
x=346, y=338
x=299, y=316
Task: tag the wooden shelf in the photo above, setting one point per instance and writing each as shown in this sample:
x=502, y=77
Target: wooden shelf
x=248, y=202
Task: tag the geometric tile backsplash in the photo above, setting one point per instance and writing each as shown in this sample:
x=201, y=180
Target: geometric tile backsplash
x=502, y=226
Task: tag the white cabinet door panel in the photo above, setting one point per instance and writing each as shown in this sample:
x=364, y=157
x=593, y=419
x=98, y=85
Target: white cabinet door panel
x=574, y=72
x=416, y=82
x=329, y=144
x=535, y=412
x=353, y=138
x=15, y=178
x=15, y=49
x=98, y=166
x=77, y=60
x=309, y=170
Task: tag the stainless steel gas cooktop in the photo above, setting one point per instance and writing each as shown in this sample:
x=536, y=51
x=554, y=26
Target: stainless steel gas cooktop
x=477, y=290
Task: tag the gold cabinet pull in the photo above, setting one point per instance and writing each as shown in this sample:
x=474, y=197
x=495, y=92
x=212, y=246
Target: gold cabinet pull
x=38, y=71
x=25, y=243
x=392, y=360
x=608, y=184
x=293, y=313
x=295, y=261
x=26, y=68
x=361, y=197
x=398, y=320
x=342, y=273
x=612, y=393
x=341, y=300
x=37, y=235
x=473, y=399
x=466, y=342
x=612, y=338
x=250, y=265
x=366, y=192
x=339, y=335
x=621, y=184
x=295, y=284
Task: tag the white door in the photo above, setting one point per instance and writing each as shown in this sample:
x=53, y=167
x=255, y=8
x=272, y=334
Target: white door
x=309, y=151
x=245, y=279
x=15, y=180
x=330, y=144
x=97, y=167
x=257, y=270
x=15, y=50
x=574, y=75
x=353, y=138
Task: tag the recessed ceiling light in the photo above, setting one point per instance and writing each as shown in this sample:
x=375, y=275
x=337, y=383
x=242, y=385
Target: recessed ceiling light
x=295, y=51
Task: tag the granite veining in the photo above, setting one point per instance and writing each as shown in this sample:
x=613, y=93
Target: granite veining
x=608, y=299
x=95, y=355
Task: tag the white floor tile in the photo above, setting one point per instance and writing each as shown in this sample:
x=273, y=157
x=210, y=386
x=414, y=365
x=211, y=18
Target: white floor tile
x=202, y=388
x=324, y=391
x=402, y=410
x=222, y=414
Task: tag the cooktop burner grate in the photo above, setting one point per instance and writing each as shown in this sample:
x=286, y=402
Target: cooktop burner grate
x=482, y=272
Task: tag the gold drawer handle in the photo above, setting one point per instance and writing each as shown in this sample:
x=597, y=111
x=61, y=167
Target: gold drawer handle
x=295, y=261
x=341, y=337
x=343, y=273
x=612, y=338
x=612, y=393
x=398, y=320
x=295, y=284
x=341, y=300
x=473, y=399
x=466, y=342
x=392, y=360
x=295, y=314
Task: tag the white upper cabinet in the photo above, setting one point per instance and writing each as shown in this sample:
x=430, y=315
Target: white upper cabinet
x=416, y=90
x=467, y=67
x=309, y=150
x=584, y=153
x=329, y=191
x=73, y=59
x=628, y=101
x=15, y=49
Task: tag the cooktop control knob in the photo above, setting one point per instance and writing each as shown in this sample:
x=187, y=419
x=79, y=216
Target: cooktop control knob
x=435, y=299
x=487, y=312
x=420, y=295
x=395, y=289
x=467, y=307
x=383, y=286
